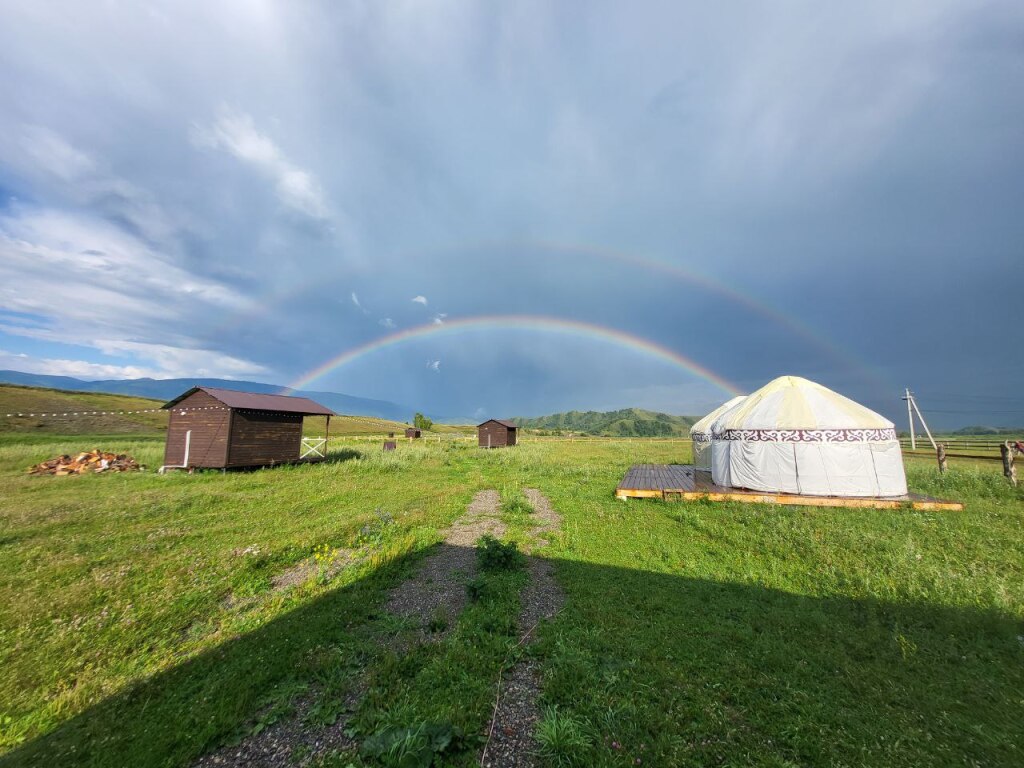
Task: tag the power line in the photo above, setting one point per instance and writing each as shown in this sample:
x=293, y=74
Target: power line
x=977, y=410
x=978, y=400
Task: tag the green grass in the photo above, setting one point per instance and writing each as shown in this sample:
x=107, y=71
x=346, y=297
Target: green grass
x=370, y=426
x=563, y=740
x=138, y=624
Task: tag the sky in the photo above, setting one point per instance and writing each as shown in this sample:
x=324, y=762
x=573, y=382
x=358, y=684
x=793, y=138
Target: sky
x=487, y=210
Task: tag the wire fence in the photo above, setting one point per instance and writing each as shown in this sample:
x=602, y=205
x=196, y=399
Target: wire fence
x=983, y=443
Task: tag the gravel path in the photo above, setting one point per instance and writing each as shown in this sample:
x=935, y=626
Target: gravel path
x=512, y=743
x=549, y=520
x=288, y=742
x=437, y=592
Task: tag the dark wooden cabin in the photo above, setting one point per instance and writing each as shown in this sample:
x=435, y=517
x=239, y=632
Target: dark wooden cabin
x=224, y=428
x=413, y=432
x=496, y=433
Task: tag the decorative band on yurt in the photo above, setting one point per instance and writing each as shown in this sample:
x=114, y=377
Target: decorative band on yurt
x=701, y=437
x=808, y=435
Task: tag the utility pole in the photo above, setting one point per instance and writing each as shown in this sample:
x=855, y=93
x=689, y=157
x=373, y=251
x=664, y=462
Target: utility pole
x=923, y=422
x=910, y=418
x=911, y=410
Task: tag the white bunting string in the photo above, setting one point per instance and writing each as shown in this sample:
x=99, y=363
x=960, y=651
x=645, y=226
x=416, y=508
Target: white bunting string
x=72, y=414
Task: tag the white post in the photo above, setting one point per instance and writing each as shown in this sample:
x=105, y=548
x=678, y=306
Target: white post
x=923, y=424
x=910, y=418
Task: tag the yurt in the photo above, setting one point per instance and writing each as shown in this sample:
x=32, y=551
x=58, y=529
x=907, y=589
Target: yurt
x=700, y=433
x=795, y=436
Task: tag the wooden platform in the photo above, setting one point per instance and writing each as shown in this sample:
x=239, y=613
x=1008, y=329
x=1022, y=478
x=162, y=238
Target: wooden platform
x=683, y=482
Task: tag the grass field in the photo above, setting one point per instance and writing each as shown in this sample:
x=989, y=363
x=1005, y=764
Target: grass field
x=123, y=415
x=140, y=624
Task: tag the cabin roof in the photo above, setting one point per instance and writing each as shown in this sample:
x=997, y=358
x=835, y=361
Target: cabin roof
x=254, y=401
x=503, y=422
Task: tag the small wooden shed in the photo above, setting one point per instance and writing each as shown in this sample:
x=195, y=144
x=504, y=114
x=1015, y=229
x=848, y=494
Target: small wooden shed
x=223, y=428
x=496, y=433
x=412, y=432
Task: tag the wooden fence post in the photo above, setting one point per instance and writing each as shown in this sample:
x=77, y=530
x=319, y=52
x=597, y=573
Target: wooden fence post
x=1007, y=451
x=940, y=452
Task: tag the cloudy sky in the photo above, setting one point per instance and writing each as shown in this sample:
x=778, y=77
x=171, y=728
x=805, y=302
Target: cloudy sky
x=657, y=198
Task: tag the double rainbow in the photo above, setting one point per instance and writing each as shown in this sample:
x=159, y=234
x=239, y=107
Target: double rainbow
x=535, y=323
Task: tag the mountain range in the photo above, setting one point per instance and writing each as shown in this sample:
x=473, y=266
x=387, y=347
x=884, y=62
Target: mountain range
x=628, y=422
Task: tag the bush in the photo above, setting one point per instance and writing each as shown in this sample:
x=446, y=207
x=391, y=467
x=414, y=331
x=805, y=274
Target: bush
x=495, y=555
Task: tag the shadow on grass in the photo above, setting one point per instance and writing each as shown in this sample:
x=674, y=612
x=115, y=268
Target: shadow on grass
x=676, y=670
x=333, y=457
x=343, y=455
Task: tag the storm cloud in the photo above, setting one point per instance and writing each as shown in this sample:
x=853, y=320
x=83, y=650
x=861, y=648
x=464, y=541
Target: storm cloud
x=250, y=189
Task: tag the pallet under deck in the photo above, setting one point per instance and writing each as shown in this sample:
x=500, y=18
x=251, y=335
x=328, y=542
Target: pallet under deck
x=683, y=482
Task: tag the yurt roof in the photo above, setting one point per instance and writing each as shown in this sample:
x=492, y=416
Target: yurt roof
x=703, y=426
x=792, y=402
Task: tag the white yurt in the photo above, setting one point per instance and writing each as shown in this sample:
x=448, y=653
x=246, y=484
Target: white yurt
x=795, y=436
x=700, y=433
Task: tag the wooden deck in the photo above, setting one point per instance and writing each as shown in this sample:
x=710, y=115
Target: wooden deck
x=683, y=482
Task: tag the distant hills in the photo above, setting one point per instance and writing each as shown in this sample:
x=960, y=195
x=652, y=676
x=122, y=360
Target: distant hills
x=629, y=422
x=167, y=389
x=978, y=430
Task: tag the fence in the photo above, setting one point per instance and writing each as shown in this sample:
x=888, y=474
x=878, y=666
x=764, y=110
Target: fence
x=956, y=443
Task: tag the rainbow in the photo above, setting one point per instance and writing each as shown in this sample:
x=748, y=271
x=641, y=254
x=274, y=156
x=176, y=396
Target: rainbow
x=705, y=281
x=685, y=274
x=536, y=323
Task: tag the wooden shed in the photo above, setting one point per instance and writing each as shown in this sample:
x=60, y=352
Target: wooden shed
x=496, y=433
x=224, y=428
x=412, y=432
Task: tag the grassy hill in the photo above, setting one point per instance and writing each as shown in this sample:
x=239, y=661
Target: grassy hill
x=628, y=422
x=113, y=417
x=166, y=389
x=453, y=429
x=352, y=426
x=116, y=415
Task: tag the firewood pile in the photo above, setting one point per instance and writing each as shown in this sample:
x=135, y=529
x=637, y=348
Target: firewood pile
x=90, y=461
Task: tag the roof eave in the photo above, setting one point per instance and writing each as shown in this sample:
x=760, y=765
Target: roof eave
x=181, y=397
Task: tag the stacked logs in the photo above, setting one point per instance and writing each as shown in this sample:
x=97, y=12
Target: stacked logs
x=90, y=461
